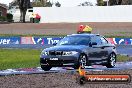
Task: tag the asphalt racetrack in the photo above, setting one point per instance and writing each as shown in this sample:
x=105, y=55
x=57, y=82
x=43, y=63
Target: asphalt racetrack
x=38, y=70
x=124, y=50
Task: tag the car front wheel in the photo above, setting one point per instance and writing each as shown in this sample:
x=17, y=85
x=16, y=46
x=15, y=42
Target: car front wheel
x=81, y=62
x=111, y=60
x=46, y=68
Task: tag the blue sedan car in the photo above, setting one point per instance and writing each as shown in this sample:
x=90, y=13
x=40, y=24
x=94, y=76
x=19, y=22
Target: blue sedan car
x=79, y=50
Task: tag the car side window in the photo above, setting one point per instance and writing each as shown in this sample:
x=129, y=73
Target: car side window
x=103, y=40
x=96, y=39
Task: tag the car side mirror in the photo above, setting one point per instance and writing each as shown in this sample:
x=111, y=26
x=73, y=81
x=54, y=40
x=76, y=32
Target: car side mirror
x=92, y=43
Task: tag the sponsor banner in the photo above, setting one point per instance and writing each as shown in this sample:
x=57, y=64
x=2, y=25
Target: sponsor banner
x=120, y=41
x=9, y=40
x=52, y=40
x=27, y=40
x=38, y=40
x=111, y=40
x=32, y=40
x=123, y=41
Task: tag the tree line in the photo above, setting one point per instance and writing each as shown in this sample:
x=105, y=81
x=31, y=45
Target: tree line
x=114, y=2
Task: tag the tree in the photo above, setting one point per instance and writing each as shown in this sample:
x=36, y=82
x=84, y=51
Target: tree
x=100, y=2
x=130, y=2
x=125, y=2
x=113, y=2
x=23, y=6
x=57, y=4
x=120, y=2
x=13, y=3
x=48, y=4
x=39, y=3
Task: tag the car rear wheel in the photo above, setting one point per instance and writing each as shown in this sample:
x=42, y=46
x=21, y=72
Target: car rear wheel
x=111, y=60
x=82, y=61
x=46, y=68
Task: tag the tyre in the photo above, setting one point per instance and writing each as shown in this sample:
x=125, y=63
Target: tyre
x=111, y=60
x=82, y=61
x=46, y=68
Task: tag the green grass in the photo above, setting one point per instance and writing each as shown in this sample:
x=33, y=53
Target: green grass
x=117, y=36
x=121, y=58
x=19, y=58
x=27, y=58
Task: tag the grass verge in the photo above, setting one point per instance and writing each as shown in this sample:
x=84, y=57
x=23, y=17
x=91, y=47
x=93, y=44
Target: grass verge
x=28, y=58
x=19, y=58
x=119, y=35
x=121, y=58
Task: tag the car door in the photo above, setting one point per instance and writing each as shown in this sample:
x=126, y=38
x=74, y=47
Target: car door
x=105, y=48
x=97, y=52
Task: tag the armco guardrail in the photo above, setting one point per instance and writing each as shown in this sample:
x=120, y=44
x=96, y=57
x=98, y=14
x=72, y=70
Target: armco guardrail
x=51, y=40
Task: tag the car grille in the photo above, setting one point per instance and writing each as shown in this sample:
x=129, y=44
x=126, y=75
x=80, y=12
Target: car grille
x=56, y=53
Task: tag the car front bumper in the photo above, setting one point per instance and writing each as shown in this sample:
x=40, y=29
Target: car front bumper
x=55, y=61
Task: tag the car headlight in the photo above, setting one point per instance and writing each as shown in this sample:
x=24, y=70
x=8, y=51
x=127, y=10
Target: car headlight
x=68, y=53
x=44, y=53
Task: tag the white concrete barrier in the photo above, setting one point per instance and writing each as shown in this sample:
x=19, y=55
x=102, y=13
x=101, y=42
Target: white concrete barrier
x=85, y=14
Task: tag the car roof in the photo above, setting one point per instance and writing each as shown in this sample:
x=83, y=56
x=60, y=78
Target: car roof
x=84, y=34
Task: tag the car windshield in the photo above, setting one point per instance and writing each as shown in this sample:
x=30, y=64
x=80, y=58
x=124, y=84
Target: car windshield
x=74, y=40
